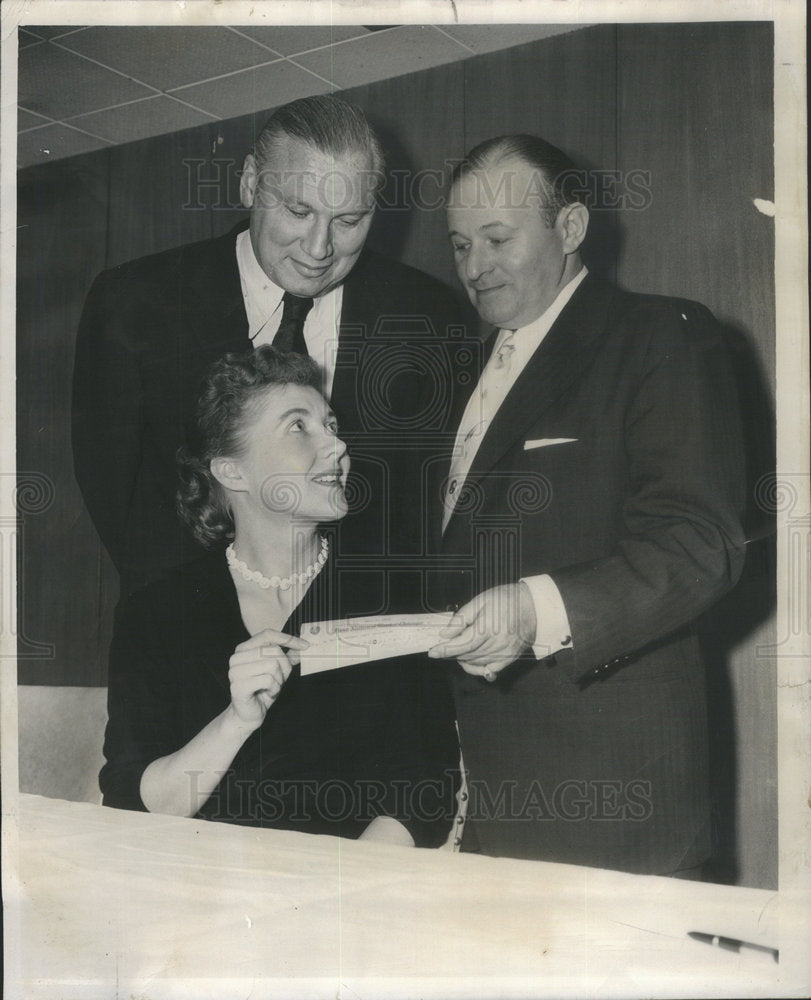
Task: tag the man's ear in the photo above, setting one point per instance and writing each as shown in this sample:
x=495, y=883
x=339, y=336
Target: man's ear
x=572, y=224
x=228, y=474
x=247, y=182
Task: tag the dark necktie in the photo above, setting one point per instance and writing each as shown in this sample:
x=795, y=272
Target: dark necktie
x=290, y=335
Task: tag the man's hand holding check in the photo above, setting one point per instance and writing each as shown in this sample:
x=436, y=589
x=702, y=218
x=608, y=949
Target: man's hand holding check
x=490, y=632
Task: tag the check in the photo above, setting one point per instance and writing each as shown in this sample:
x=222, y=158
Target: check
x=337, y=644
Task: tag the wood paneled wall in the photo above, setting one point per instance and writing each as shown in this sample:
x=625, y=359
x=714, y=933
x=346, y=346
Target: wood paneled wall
x=688, y=106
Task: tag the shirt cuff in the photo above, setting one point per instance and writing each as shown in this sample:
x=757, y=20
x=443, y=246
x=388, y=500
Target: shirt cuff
x=552, y=630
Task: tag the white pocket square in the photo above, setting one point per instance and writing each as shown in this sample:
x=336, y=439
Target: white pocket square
x=543, y=442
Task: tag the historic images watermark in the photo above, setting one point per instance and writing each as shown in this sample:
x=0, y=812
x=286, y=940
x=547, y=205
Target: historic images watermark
x=575, y=800
x=214, y=184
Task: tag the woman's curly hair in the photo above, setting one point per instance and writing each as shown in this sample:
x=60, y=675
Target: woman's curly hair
x=229, y=396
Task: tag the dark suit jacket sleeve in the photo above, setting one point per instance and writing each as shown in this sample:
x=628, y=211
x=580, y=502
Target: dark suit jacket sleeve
x=681, y=544
x=106, y=412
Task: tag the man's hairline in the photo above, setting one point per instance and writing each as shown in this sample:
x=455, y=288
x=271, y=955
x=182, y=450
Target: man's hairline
x=367, y=151
x=496, y=158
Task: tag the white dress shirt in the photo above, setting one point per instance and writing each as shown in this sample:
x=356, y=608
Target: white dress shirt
x=263, y=306
x=511, y=352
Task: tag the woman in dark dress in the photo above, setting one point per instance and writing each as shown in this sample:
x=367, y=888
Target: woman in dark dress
x=209, y=715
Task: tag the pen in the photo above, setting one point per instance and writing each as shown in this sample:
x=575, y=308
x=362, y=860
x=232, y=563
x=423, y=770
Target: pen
x=732, y=944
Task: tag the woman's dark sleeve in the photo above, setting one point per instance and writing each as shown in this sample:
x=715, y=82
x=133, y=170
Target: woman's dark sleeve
x=143, y=704
x=422, y=752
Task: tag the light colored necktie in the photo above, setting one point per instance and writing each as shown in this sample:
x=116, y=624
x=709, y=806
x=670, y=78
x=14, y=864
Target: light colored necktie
x=490, y=390
x=477, y=417
x=505, y=350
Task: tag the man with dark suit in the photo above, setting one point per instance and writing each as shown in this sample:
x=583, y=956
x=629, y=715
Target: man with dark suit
x=590, y=514
x=296, y=275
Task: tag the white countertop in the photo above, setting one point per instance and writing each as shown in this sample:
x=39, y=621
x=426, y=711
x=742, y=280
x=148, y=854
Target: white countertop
x=110, y=904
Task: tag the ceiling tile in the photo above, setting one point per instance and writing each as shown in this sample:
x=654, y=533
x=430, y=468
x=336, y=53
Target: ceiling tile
x=168, y=57
x=140, y=119
x=52, y=30
x=25, y=38
x=253, y=90
x=25, y=119
x=492, y=37
x=57, y=83
x=382, y=55
x=53, y=142
x=290, y=39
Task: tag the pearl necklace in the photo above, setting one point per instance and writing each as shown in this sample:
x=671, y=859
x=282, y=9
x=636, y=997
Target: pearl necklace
x=280, y=583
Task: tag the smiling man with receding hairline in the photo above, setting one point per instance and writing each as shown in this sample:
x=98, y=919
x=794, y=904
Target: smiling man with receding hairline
x=597, y=480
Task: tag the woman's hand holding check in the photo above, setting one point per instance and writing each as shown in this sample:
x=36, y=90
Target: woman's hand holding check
x=257, y=671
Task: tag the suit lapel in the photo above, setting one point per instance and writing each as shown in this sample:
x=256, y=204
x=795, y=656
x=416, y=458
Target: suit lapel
x=565, y=353
x=343, y=397
x=217, y=292
x=364, y=300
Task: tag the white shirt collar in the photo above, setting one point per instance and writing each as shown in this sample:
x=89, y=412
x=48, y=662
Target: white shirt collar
x=263, y=309
x=527, y=338
x=262, y=296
